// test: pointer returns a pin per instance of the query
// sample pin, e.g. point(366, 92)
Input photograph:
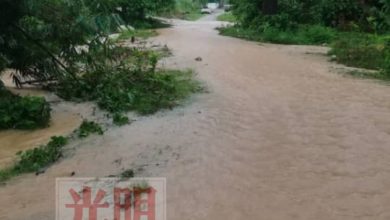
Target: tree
point(270, 7)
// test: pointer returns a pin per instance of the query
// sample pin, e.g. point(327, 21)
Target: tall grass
point(305, 34)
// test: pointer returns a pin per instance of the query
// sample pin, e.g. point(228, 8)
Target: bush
point(120, 119)
point(89, 127)
point(23, 112)
point(360, 50)
point(36, 159)
point(132, 84)
point(304, 34)
point(228, 16)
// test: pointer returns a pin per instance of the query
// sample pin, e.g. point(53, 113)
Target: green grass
point(362, 50)
point(227, 16)
point(353, 49)
point(120, 119)
point(89, 127)
point(121, 89)
point(379, 75)
point(305, 35)
point(185, 9)
point(193, 16)
point(162, 90)
point(35, 159)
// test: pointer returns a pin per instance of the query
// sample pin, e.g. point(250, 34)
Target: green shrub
point(304, 34)
point(186, 9)
point(23, 112)
point(132, 84)
point(228, 16)
point(89, 127)
point(360, 50)
point(36, 159)
point(120, 119)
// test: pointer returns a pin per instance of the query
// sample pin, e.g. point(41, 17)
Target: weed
point(132, 88)
point(361, 50)
point(89, 127)
point(193, 16)
point(120, 119)
point(23, 112)
point(228, 16)
point(308, 34)
point(35, 159)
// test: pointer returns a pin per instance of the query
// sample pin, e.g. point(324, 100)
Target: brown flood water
point(63, 122)
point(13, 141)
point(279, 136)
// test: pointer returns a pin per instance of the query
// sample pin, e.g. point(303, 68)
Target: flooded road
point(278, 136)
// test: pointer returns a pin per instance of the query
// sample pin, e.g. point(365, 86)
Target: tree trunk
point(270, 7)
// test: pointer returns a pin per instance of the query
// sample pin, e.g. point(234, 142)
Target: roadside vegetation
point(65, 46)
point(38, 159)
point(18, 112)
point(35, 160)
point(186, 10)
point(227, 16)
point(357, 31)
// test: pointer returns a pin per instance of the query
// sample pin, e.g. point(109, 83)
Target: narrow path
point(278, 137)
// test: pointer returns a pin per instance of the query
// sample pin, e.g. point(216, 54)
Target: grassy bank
point(353, 49)
point(36, 159)
point(227, 16)
point(361, 50)
point(186, 9)
point(40, 158)
point(304, 35)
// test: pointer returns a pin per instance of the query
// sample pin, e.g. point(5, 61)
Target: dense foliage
point(22, 112)
point(46, 39)
point(89, 127)
point(65, 46)
point(364, 15)
point(357, 30)
point(186, 9)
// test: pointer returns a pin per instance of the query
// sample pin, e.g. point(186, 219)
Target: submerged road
point(278, 136)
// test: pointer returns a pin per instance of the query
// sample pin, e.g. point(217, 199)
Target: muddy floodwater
point(63, 122)
point(13, 141)
point(279, 135)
